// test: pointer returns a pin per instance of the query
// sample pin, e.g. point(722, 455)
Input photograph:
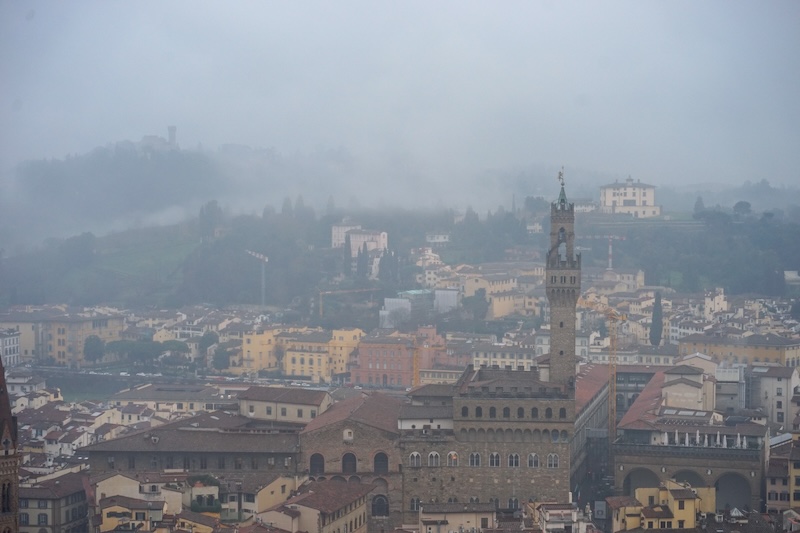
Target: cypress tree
point(657, 327)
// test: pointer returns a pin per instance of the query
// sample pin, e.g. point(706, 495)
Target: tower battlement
point(563, 285)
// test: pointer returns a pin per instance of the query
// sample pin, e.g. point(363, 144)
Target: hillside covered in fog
point(153, 182)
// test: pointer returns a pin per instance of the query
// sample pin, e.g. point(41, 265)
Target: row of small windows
point(513, 503)
point(203, 462)
point(548, 412)
point(41, 519)
point(495, 460)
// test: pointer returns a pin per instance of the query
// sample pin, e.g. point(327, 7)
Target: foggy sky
point(668, 92)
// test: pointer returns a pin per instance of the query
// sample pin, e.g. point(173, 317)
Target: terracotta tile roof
point(590, 381)
point(644, 410)
point(683, 381)
point(330, 496)
point(261, 528)
point(131, 503)
point(55, 488)
point(166, 392)
point(376, 410)
point(684, 370)
point(683, 494)
point(657, 511)
point(291, 395)
point(617, 502)
point(198, 518)
point(216, 430)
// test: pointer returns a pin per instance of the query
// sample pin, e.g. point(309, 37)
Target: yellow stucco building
point(673, 505)
point(744, 350)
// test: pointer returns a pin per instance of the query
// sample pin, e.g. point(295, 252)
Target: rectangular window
point(269, 410)
point(299, 413)
point(139, 515)
point(131, 462)
point(680, 524)
point(681, 504)
point(221, 462)
point(42, 504)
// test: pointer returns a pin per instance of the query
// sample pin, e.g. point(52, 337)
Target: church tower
point(9, 462)
point(563, 283)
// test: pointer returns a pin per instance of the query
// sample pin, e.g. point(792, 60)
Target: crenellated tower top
point(563, 285)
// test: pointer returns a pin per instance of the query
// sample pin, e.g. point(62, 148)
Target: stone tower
point(9, 462)
point(563, 282)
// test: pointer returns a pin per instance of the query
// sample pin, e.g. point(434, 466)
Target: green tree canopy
point(208, 339)
point(221, 359)
point(93, 348)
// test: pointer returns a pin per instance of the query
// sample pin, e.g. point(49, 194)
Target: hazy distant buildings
point(9, 347)
point(373, 240)
point(630, 198)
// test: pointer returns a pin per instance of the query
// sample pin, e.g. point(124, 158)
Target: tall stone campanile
point(9, 462)
point(563, 285)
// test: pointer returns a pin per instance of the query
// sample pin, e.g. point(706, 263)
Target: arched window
point(433, 459)
point(494, 459)
point(380, 464)
point(452, 500)
point(478, 412)
point(294, 360)
point(452, 459)
point(465, 411)
point(415, 459)
point(349, 465)
point(492, 412)
point(562, 413)
point(415, 504)
point(533, 460)
point(534, 412)
point(548, 413)
point(513, 460)
point(474, 499)
point(564, 436)
point(380, 506)
point(552, 460)
point(474, 459)
point(520, 412)
point(513, 503)
point(316, 464)
point(554, 435)
point(506, 412)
